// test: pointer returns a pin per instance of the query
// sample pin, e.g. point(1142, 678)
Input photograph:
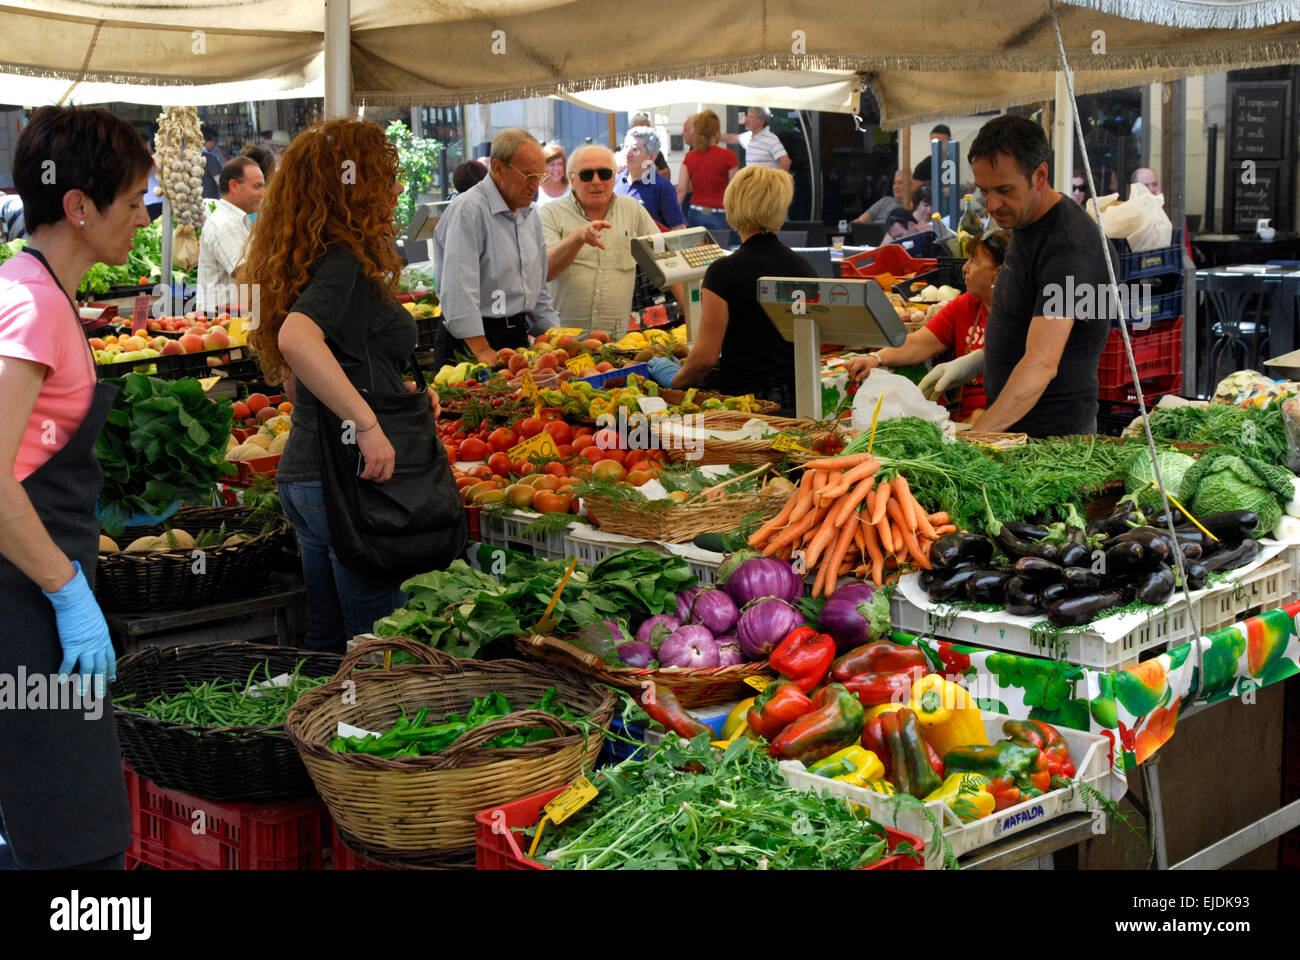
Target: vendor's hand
point(954, 373)
point(377, 453)
point(663, 370)
point(83, 634)
point(859, 367)
point(591, 232)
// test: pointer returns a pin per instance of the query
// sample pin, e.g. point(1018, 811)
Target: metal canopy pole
point(338, 58)
point(1063, 136)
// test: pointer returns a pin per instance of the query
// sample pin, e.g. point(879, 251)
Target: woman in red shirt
point(958, 327)
point(706, 171)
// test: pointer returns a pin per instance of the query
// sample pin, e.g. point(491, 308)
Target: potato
point(143, 545)
point(106, 545)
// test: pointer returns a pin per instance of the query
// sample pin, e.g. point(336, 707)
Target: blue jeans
point(340, 602)
point(709, 221)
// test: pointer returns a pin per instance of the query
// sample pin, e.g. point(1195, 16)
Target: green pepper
point(834, 723)
point(1017, 772)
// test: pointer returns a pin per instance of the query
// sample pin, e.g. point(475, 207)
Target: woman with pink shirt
point(81, 174)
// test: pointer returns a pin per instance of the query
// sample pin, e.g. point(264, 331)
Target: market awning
point(831, 91)
point(923, 59)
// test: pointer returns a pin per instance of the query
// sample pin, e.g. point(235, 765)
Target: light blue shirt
point(490, 263)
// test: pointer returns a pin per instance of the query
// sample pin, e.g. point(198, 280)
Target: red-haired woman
point(81, 174)
point(322, 257)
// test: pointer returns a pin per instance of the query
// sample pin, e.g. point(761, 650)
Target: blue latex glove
point(663, 369)
point(83, 633)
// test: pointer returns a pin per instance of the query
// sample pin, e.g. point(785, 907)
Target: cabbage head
point(1225, 482)
point(1173, 468)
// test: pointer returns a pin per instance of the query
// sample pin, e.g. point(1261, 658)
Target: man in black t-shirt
point(1051, 310)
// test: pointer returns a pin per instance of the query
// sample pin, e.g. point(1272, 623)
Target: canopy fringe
point(1198, 16)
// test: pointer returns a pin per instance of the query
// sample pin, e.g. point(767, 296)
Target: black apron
point(501, 332)
point(62, 794)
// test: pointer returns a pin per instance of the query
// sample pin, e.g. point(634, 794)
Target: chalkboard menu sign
point(1260, 115)
point(1256, 200)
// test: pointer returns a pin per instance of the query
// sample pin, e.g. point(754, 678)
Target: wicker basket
point(235, 764)
point(420, 810)
point(999, 440)
point(749, 452)
point(149, 582)
point(674, 398)
point(692, 687)
point(670, 522)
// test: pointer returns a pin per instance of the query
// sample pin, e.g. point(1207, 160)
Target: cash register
point(680, 256)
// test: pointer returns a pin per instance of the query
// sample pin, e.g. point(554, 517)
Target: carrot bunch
point(843, 518)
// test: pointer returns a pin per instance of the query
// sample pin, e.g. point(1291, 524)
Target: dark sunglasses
point(586, 175)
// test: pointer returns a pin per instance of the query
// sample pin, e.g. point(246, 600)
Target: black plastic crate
point(946, 273)
point(242, 365)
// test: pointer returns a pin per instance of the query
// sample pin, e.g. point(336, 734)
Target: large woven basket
point(670, 522)
point(749, 452)
point(999, 440)
point(232, 764)
point(692, 687)
point(420, 810)
point(148, 582)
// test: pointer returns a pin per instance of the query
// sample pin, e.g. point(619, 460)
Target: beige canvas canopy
point(922, 58)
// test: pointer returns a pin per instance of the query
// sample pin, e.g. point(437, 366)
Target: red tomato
point(581, 443)
point(529, 427)
point(499, 463)
point(503, 438)
point(556, 470)
point(583, 432)
point(656, 454)
point(616, 456)
point(453, 452)
point(593, 453)
point(551, 413)
point(607, 439)
point(482, 471)
point(474, 449)
point(565, 450)
point(523, 468)
point(633, 456)
point(560, 431)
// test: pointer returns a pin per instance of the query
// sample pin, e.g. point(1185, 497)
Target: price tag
point(280, 680)
point(580, 363)
point(140, 313)
point(571, 801)
point(528, 384)
point(758, 683)
point(207, 383)
point(784, 444)
point(566, 331)
point(542, 445)
point(347, 730)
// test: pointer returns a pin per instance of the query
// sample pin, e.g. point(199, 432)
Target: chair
point(815, 229)
point(1229, 300)
point(867, 234)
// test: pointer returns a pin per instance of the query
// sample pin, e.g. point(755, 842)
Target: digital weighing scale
point(424, 220)
point(811, 311)
point(680, 256)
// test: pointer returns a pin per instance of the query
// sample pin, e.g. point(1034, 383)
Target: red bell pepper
point(879, 656)
point(875, 739)
point(777, 706)
point(1054, 751)
point(803, 657)
point(875, 688)
point(661, 703)
point(834, 723)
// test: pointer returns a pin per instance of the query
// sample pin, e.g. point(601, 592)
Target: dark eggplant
point(1197, 575)
point(1027, 531)
point(1037, 571)
point(1239, 556)
point(1020, 600)
point(1074, 555)
point(1076, 611)
point(1081, 580)
point(1010, 544)
point(1122, 557)
point(951, 587)
point(1161, 520)
point(952, 548)
point(1124, 516)
point(1155, 545)
point(1155, 586)
point(990, 587)
point(1045, 551)
point(925, 579)
point(1232, 526)
point(1051, 593)
point(1190, 550)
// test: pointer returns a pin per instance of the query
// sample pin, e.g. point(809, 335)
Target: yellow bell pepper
point(882, 708)
point(974, 803)
point(853, 765)
point(948, 715)
point(735, 718)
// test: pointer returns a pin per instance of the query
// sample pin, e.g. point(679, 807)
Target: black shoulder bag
point(413, 522)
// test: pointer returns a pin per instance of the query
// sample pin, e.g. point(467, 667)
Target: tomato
point(453, 452)
point(564, 450)
point(592, 454)
point(482, 471)
point(560, 431)
point(615, 455)
point(523, 467)
point(551, 413)
point(583, 432)
point(548, 502)
point(544, 481)
point(581, 443)
point(530, 427)
point(499, 462)
point(656, 454)
point(638, 477)
point(608, 470)
point(463, 482)
point(503, 438)
point(474, 449)
point(556, 470)
point(607, 439)
point(633, 457)
point(468, 494)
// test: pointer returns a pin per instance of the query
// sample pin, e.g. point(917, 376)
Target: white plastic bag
point(1141, 220)
point(903, 398)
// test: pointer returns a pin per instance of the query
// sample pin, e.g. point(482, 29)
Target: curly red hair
point(333, 186)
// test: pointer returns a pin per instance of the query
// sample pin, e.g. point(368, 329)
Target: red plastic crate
point(1158, 352)
point(887, 259)
point(267, 465)
point(168, 833)
point(497, 849)
point(474, 515)
point(1152, 390)
point(345, 859)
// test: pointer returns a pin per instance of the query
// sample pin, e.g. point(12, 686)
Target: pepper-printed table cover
point(1135, 709)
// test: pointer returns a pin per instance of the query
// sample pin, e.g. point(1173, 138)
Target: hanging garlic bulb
point(180, 163)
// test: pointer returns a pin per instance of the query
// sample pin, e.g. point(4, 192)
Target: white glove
point(954, 373)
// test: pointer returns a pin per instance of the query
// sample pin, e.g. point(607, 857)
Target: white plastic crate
point(509, 530)
point(590, 547)
point(1089, 752)
point(1267, 587)
point(1292, 557)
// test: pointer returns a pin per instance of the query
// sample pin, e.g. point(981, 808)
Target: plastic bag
point(1140, 220)
point(903, 398)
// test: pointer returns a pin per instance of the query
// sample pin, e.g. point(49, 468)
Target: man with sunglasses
point(490, 257)
point(589, 245)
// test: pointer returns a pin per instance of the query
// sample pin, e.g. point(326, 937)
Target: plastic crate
point(893, 258)
point(1158, 352)
point(266, 466)
point(616, 751)
point(509, 530)
point(599, 380)
point(945, 274)
point(1149, 263)
point(497, 848)
point(580, 542)
point(345, 859)
point(1084, 647)
point(1152, 389)
point(1292, 557)
point(921, 244)
point(1162, 306)
point(1090, 753)
point(171, 830)
point(1268, 587)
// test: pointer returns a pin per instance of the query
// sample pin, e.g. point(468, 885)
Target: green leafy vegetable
point(1251, 431)
point(1220, 482)
point(163, 441)
point(1173, 468)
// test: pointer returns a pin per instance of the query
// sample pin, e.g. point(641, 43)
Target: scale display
point(676, 257)
point(426, 217)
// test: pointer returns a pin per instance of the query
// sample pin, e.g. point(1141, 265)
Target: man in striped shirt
point(762, 147)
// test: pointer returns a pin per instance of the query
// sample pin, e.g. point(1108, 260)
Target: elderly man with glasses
point(645, 183)
point(490, 257)
point(589, 245)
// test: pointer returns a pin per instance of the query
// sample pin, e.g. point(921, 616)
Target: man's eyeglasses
point(532, 178)
point(586, 175)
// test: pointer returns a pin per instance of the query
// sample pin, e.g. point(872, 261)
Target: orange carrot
point(939, 519)
point(803, 499)
point(837, 463)
point(836, 558)
point(883, 529)
point(790, 535)
point(764, 532)
point(904, 498)
point(823, 538)
point(909, 537)
point(849, 478)
point(946, 528)
point(845, 506)
point(882, 501)
point(918, 514)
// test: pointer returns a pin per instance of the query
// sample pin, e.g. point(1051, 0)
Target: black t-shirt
point(754, 354)
point(1054, 268)
point(368, 332)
